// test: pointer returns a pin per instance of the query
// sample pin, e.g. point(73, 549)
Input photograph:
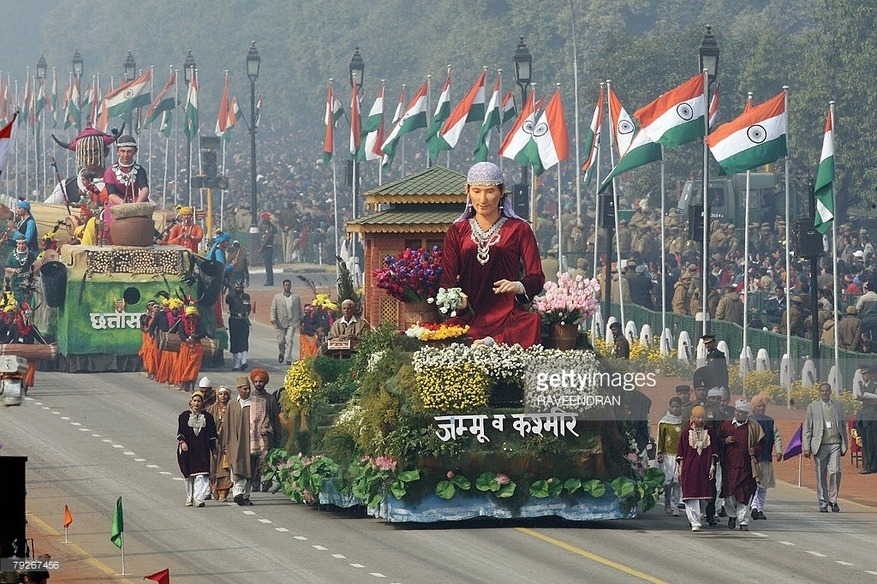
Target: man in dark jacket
point(641, 287)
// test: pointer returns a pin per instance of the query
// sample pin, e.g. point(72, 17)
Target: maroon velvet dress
point(695, 481)
point(514, 257)
point(737, 478)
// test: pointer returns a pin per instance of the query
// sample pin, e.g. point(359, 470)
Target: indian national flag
point(435, 143)
point(72, 115)
point(551, 136)
point(165, 100)
point(678, 116)
point(514, 146)
point(714, 106)
point(355, 123)
point(592, 140)
point(824, 186)
point(129, 96)
point(642, 150)
point(373, 130)
point(329, 121)
point(492, 119)
point(509, 111)
point(222, 118)
point(471, 109)
point(414, 118)
point(754, 138)
point(7, 139)
point(623, 127)
point(192, 107)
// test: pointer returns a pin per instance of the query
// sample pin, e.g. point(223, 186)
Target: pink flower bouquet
point(569, 300)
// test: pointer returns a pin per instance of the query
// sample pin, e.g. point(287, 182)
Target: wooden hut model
point(412, 212)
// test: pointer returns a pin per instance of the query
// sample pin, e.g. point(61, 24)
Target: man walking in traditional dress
point(741, 440)
point(245, 438)
point(260, 379)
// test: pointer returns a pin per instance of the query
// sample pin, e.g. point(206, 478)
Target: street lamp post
point(708, 60)
point(253, 63)
point(189, 67)
point(523, 76)
point(130, 72)
point(357, 74)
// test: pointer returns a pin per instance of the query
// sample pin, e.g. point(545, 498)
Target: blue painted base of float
point(433, 509)
point(329, 495)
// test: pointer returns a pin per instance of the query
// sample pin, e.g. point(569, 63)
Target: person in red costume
point(491, 254)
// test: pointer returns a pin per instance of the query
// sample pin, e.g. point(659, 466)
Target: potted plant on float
point(412, 277)
point(564, 305)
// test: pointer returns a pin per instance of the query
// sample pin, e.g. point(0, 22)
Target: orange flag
point(163, 577)
point(68, 517)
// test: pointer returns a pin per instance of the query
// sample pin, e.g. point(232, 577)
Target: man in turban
point(260, 379)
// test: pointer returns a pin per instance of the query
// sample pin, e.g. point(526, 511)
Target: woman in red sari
point(491, 254)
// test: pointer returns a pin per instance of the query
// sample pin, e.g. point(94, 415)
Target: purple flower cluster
point(411, 276)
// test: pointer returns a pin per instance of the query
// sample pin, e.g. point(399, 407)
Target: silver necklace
point(484, 240)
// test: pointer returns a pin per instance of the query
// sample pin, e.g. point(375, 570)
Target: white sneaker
point(199, 503)
point(188, 502)
point(695, 528)
point(675, 512)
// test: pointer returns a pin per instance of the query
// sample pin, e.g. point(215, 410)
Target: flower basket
point(420, 312)
point(563, 336)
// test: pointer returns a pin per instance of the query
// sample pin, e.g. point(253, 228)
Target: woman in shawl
point(220, 476)
point(491, 254)
point(196, 444)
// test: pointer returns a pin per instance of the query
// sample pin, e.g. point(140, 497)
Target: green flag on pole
point(118, 525)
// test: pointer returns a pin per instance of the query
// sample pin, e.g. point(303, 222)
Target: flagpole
point(788, 280)
point(122, 549)
point(608, 280)
point(598, 137)
point(575, 76)
point(15, 145)
point(151, 93)
point(837, 377)
point(175, 130)
point(663, 250)
point(705, 284)
point(744, 356)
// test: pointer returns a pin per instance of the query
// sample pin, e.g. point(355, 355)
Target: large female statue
point(491, 254)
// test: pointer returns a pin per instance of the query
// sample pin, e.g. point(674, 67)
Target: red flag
point(328, 118)
point(355, 123)
point(163, 577)
point(68, 517)
point(222, 120)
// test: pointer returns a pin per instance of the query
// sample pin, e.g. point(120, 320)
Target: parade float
point(89, 297)
point(423, 425)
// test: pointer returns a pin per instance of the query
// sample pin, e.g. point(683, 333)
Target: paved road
point(92, 438)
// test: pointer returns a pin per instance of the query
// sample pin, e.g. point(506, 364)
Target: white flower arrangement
point(374, 359)
point(499, 362)
point(448, 300)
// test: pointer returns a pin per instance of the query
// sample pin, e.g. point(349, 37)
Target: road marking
point(301, 538)
point(117, 445)
point(249, 512)
point(139, 460)
point(179, 479)
point(786, 543)
point(128, 453)
point(46, 408)
point(95, 435)
point(843, 563)
point(56, 413)
point(339, 556)
point(164, 472)
point(106, 440)
point(152, 466)
point(84, 429)
point(759, 534)
point(872, 572)
point(357, 565)
point(281, 529)
point(73, 423)
point(265, 521)
point(321, 548)
point(67, 418)
point(817, 554)
point(377, 574)
point(591, 556)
